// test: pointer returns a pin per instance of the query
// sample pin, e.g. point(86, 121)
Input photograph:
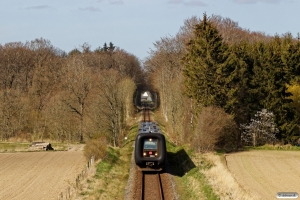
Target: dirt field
point(265, 173)
point(38, 175)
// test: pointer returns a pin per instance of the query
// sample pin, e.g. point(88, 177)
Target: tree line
point(46, 93)
point(213, 63)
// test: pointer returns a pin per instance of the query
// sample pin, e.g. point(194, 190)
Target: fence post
point(80, 177)
point(68, 193)
point(77, 182)
point(61, 196)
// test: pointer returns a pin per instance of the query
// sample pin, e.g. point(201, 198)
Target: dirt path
point(265, 173)
point(38, 175)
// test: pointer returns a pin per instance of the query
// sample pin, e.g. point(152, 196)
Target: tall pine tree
point(211, 69)
point(272, 71)
point(204, 65)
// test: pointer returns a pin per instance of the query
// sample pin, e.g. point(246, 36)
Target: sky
point(133, 25)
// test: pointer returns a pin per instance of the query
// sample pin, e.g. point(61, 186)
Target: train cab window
point(150, 144)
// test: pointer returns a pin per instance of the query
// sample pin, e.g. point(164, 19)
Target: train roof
point(149, 127)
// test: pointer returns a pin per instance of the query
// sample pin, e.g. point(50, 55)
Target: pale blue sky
point(133, 25)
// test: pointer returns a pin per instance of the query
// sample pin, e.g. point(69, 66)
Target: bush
point(215, 130)
point(95, 147)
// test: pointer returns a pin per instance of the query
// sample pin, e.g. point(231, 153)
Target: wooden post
point(68, 193)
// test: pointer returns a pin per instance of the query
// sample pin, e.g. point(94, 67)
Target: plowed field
point(265, 173)
point(38, 175)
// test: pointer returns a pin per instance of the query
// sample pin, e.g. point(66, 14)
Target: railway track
point(146, 115)
point(151, 186)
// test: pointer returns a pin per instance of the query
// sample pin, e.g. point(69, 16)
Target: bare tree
point(165, 72)
point(112, 104)
point(45, 84)
point(78, 86)
point(109, 104)
point(16, 66)
point(57, 95)
point(12, 113)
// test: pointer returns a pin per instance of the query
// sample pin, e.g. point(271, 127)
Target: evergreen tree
point(259, 78)
point(105, 48)
point(203, 61)
point(279, 75)
point(291, 56)
point(111, 47)
point(272, 71)
point(237, 80)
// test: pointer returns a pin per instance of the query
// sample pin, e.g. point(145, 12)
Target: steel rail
point(159, 187)
point(146, 115)
point(143, 187)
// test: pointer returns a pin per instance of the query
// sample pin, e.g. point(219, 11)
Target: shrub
point(215, 130)
point(95, 147)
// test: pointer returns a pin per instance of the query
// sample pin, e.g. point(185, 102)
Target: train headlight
point(150, 139)
point(144, 154)
point(156, 154)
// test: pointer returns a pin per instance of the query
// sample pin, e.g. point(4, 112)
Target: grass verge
point(112, 172)
point(287, 147)
point(222, 181)
point(110, 178)
point(187, 168)
point(13, 147)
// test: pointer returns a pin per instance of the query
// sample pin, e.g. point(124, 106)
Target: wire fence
point(71, 191)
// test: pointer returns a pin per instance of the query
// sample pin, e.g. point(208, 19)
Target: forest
point(49, 94)
point(215, 82)
point(220, 84)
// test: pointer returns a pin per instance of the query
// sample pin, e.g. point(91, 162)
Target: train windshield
point(150, 144)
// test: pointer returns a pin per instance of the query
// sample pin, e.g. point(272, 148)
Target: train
point(150, 147)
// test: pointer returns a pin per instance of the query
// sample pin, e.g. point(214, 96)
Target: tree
point(86, 48)
point(12, 113)
point(108, 105)
point(78, 86)
point(164, 73)
point(16, 66)
point(111, 47)
point(272, 70)
point(50, 95)
point(105, 48)
point(294, 89)
point(74, 52)
point(203, 61)
point(261, 130)
point(44, 82)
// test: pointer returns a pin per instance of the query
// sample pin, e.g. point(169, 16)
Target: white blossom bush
point(261, 130)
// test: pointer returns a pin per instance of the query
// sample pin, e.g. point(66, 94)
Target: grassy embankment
point(187, 169)
point(112, 172)
point(197, 176)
